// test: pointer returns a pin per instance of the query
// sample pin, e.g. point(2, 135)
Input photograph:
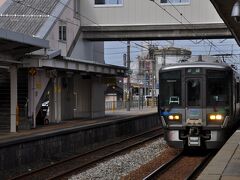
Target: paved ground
point(226, 164)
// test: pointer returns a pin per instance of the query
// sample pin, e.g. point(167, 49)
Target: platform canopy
point(14, 44)
point(224, 9)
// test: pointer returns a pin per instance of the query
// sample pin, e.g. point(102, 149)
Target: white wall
point(72, 29)
point(86, 50)
point(145, 12)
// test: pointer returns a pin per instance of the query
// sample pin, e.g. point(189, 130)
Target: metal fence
point(118, 105)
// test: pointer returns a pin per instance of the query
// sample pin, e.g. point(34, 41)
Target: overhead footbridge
point(151, 20)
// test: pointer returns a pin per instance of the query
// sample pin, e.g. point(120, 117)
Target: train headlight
point(219, 117)
point(215, 117)
point(174, 117)
point(212, 117)
point(171, 117)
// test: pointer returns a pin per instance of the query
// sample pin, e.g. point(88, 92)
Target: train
point(199, 103)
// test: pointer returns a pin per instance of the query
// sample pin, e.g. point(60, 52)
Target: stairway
point(22, 92)
point(4, 100)
point(5, 97)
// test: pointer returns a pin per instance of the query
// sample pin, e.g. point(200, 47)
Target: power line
point(123, 52)
point(70, 22)
point(181, 22)
point(212, 44)
point(29, 6)
point(80, 14)
point(181, 14)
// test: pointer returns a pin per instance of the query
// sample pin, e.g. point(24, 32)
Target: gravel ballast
point(121, 165)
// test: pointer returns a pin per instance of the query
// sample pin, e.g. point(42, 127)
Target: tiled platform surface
point(226, 164)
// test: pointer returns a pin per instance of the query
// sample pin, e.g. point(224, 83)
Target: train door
point(194, 101)
point(194, 109)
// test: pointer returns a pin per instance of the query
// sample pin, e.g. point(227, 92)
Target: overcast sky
point(114, 50)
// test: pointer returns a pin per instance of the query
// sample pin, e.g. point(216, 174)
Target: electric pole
point(151, 55)
point(128, 78)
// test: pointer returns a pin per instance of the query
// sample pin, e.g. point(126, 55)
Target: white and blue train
point(199, 103)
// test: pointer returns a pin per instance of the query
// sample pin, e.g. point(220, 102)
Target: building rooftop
point(26, 16)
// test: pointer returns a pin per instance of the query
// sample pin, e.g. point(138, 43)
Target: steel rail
point(200, 167)
point(163, 168)
point(28, 175)
point(191, 175)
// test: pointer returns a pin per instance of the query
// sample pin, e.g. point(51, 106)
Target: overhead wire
point(29, 6)
point(181, 14)
point(211, 43)
point(65, 5)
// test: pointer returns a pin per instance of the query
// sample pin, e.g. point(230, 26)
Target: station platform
point(70, 124)
point(27, 148)
point(226, 164)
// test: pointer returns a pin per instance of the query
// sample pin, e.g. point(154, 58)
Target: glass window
point(62, 31)
point(217, 88)
point(193, 92)
point(175, 1)
point(170, 88)
point(108, 2)
point(193, 71)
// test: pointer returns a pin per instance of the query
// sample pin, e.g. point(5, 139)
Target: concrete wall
point(16, 153)
point(98, 98)
point(82, 97)
point(88, 50)
point(145, 12)
point(68, 101)
point(82, 90)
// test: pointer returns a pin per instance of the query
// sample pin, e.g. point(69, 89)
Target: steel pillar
point(13, 91)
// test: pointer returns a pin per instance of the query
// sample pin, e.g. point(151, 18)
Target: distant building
point(167, 56)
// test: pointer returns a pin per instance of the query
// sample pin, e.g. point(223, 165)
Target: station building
point(44, 58)
point(53, 50)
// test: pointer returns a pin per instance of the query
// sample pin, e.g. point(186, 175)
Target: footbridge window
point(108, 2)
point(175, 2)
point(62, 31)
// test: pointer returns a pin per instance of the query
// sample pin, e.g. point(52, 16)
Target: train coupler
point(194, 141)
point(194, 138)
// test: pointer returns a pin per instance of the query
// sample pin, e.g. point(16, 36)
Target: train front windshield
point(216, 89)
point(170, 89)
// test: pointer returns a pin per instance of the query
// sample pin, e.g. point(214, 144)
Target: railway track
point(182, 166)
point(64, 168)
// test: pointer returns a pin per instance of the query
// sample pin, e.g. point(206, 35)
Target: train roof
point(198, 64)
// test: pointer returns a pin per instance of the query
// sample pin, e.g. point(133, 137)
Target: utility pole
point(124, 60)
point(151, 55)
point(128, 79)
